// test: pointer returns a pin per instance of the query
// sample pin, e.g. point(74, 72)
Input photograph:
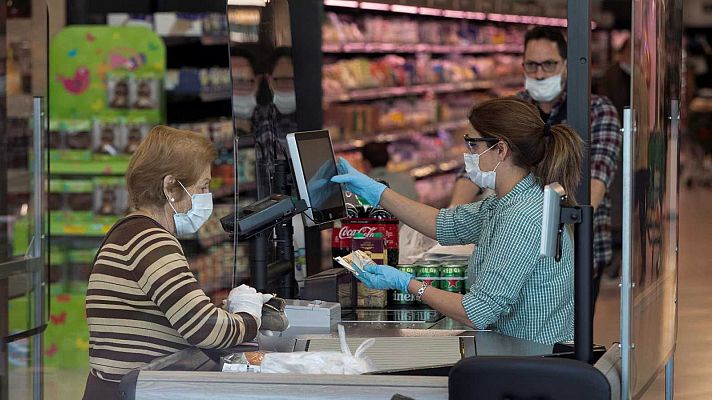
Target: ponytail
point(562, 159)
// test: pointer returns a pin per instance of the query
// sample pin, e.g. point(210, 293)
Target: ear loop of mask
point(170, 203)
point(490, 148)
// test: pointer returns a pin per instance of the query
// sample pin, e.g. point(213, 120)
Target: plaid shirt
point(606, 140)
point(513, 290)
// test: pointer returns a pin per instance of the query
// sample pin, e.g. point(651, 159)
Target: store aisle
point(694, 338)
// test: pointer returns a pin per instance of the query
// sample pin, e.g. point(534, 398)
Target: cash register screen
point(317, 165)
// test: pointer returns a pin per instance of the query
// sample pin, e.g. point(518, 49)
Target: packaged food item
point(343, 233)
point(254, 357)
point(249, 361)
point(374, 246)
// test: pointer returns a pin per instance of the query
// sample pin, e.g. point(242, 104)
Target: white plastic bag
point(412, 245)
point(321, 362)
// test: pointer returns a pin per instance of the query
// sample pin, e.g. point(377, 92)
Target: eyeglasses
point(546, 66)
point(471, 142)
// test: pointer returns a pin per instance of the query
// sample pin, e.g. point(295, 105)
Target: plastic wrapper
point(322, 362)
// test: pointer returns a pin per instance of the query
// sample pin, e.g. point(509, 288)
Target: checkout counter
point(412, 359)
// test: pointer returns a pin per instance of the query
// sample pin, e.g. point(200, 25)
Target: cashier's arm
point(418, 216)
point(445, 302)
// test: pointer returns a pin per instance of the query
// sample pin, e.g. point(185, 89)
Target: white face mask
point(625, 67)
point(286, 102)
point(244, 105)
point(544, 90)
point(485, 180)
point(189, 222)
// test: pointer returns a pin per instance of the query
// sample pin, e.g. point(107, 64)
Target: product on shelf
point(341, 28)
point(110, 196)
point(144, 92)
point(343, 76)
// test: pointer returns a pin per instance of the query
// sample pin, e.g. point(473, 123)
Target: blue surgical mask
point(483, 179)
point(189, 222)
point(286, 102)
point(244, 105)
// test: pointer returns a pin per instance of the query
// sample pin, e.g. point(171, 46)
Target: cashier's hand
point(248, 300)
point(318, 185)
point(359, 183)
point(384, 277)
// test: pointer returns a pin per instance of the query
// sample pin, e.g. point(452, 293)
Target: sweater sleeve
point(162, 272)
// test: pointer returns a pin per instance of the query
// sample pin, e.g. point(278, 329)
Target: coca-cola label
point(341, 235)
point(349, 231)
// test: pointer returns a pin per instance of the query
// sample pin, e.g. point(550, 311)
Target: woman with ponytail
point(512, 290)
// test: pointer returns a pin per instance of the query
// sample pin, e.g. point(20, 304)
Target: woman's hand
point(248, 300)
point(384, 277)
point(358, 183)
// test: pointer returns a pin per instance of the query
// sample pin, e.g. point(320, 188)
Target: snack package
point(144, 93)
point(135, 133)
point(107, 137)
point(118, 91)
point(243, 362)
point(110, 196)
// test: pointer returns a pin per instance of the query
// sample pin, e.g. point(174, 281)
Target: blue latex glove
point(320, 187)
point(384, 277)
point(359, 183)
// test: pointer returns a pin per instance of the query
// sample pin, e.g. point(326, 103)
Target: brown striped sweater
point(143, 302)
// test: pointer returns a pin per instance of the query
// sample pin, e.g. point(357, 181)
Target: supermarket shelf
point(387, 92)
point(420, 48)
point(93, 167)
point(434, 169)
point(356, 144)
point(204, 96)
point(456, 14)
point(195, 40)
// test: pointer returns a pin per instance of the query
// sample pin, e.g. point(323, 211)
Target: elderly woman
point(143, 301)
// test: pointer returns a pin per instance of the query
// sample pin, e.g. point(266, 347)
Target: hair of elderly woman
point(166, 151)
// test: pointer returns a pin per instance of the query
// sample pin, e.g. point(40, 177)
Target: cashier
point(514, 291)
point(143, 301)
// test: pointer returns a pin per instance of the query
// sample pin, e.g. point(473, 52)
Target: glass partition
point(22, 198)
point(264, 112)
point(652, 322)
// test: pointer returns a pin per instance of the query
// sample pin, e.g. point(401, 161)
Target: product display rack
point(359, 30)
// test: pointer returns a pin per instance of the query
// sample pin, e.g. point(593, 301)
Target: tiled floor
point(693, 360)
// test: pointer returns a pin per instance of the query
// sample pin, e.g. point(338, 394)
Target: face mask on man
point(286, 102)
point(625, 67)
point(189, 222)
point(244, 105)
point(483, 179)
point(544, 90)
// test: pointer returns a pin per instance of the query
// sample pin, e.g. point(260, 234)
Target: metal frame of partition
point(651, 131)
point(579, 104)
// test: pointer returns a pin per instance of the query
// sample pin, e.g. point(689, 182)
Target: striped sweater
point(143, 302)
